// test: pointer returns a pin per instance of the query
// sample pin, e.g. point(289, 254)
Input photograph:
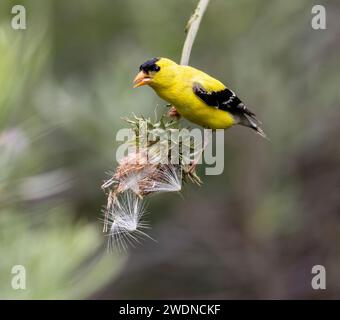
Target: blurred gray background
point(255, 231)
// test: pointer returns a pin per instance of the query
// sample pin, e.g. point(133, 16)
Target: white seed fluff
point(169, 179)
point(126, 221)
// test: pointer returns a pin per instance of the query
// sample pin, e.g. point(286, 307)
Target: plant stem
point(191, 29)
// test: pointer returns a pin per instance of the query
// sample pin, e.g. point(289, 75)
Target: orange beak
point(141, 79)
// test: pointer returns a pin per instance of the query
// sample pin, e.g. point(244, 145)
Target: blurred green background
point(255, 231)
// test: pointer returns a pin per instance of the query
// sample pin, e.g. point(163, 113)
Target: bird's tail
point(253, 123)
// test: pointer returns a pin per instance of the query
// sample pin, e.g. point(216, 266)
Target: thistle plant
point(144, 171)
point(148, 168)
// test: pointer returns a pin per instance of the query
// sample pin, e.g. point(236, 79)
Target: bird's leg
point(173, 112)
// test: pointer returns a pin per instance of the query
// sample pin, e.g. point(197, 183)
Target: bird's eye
point(157, 68)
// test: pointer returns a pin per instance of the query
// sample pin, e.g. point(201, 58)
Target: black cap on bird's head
point(145, 71)
point(155, 72)
point(150, 65)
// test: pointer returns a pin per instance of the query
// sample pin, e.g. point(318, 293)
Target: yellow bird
point(196, 96)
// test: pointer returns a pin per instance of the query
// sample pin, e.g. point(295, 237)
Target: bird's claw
point(173, 113)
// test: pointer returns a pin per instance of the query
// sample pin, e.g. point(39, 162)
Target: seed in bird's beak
point(141, 79)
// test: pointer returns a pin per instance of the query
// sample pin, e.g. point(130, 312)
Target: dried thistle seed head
point(136, 173)
point(134, 180)
point(146, 171)
point(130, 173)
point(152, 179)
point(134, 161)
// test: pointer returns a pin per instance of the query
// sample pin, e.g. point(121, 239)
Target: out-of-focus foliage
point(58, 254)
point(253, 232)
point(64, 256)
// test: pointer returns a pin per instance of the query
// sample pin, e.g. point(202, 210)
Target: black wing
point(225, 100)
point(228, 101)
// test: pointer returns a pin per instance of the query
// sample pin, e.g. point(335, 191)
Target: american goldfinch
point(197, 96)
